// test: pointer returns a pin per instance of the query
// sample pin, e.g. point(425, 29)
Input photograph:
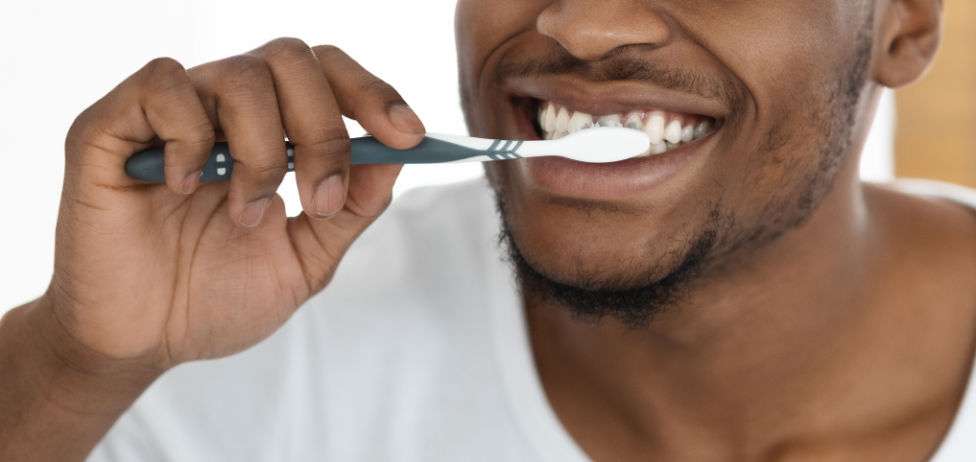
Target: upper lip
point(604, 98)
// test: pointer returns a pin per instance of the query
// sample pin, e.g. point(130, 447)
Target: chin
point(602, 277)
point(594, 247)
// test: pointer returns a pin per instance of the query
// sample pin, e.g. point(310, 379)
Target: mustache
point(620, 65)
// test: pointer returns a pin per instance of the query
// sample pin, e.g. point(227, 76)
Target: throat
point(740, 371)
point(624, 394)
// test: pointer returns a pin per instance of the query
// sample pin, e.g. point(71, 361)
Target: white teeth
point(547, 118)
point(655, 127)
point(612, 120)
point(558, 121)
point(672, 133)
point(687, 133)
point(580, 121)
point(634, 121)
point(562, 122)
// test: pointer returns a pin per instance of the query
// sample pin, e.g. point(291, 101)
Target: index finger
point(369, 100)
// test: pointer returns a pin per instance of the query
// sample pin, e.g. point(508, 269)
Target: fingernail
point(330, 195)
point(254, 212)
point(191, 182)
point(405, 120)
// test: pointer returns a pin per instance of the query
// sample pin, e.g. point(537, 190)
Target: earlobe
point(908, 38)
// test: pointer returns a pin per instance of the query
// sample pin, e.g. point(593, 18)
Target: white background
point(60, 56)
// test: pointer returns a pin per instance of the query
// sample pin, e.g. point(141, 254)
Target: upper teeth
point(666, 130)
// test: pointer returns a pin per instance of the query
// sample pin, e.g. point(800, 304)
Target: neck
point(747, 355)
point(818, 337)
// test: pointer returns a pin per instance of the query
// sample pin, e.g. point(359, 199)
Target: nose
point(589, 29)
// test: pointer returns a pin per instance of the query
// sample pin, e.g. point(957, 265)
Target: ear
point(909, 35)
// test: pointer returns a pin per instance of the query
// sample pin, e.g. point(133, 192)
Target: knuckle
point(87, 129)
point(379, 89)
point(378, 93)
point(268, 169)
point(163, 65)
point(244, 71)
point(288, 48)
point(332, 142)
point(162, 75)
point(85, 139)
point(328, 51)
point(80, 132)
point(202, 134)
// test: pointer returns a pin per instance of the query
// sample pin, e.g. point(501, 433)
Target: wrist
point(57, 401)
point(65, 371)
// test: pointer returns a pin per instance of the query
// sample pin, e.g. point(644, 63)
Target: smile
point(684, 130)
point(666, 130)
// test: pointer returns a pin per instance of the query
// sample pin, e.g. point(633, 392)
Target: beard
point(659, 285)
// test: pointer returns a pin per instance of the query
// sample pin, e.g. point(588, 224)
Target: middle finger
point(313, 122)
point(239, 92)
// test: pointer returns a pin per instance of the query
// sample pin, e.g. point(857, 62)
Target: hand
point(159, 275)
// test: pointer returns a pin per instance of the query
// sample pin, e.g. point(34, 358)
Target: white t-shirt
point(417, 351)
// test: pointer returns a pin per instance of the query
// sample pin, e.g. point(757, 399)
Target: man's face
point(758, 100)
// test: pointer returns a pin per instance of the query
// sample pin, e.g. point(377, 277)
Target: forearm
point(57, 400)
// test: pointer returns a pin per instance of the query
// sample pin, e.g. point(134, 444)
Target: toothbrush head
point(604, 144)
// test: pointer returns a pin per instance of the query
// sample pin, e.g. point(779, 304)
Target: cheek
point(483, 30)
point(774, 43)
point(780, 52)
point(778, 49)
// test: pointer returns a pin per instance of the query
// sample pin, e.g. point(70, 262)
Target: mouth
point(666, 130)
point(682, 129)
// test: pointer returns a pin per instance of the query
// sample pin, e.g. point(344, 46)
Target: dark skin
point(745, 366)
point(742, 366)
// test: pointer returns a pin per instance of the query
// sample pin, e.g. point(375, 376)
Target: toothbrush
point(595, 145)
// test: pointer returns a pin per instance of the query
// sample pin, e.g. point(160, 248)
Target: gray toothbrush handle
point(147, 165)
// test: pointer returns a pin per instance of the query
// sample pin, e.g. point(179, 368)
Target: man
point(737, 295)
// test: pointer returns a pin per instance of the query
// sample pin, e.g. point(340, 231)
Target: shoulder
point(935, 206)
point(931, 189)
point(932, 228)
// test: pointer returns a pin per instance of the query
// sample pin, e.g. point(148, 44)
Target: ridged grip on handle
point(148, 165)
